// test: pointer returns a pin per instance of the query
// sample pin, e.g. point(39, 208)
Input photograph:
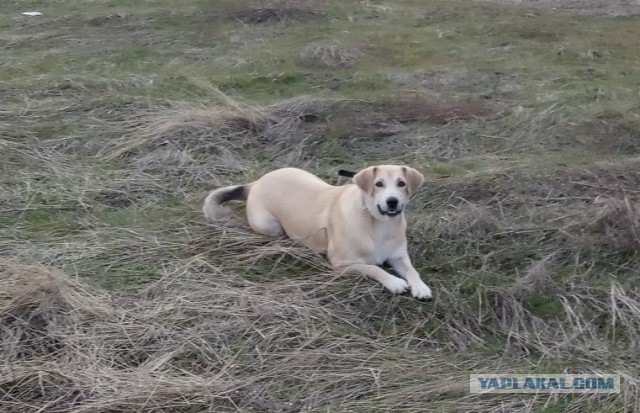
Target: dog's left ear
point(364, 178)
point(414, 179)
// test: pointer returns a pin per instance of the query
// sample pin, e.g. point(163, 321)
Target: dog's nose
point(392, 202)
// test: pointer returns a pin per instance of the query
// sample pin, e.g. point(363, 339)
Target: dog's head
point(388, 188)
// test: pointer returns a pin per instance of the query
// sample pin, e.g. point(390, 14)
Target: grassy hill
point(117, 118)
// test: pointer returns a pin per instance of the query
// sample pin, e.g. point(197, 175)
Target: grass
point(117, 119)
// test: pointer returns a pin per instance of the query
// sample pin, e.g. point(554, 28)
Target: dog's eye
point(379, 184)
point(401, 184)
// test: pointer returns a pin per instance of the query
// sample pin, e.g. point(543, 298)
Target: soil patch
point(274, 15)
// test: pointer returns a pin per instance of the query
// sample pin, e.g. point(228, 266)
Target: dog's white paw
point(396, 285)
point(421, 291)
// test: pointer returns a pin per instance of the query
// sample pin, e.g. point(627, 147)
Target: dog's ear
point(414, 179)
point(364, 179)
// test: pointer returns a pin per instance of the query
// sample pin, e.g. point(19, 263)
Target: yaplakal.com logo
point(544, 383)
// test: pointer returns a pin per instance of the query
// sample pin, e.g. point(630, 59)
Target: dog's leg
point(394, 284)
point(405, 269)
point(262, 222)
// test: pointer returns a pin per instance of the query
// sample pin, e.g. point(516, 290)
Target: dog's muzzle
point(389, 213)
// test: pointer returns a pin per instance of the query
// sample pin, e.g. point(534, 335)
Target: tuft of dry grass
point(468, 219)
point(221, 130)
point(536, 279)
point(333, 56)
point(188, 125)
point(618, 220)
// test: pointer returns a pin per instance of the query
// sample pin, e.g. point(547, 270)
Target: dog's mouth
point(393, 213)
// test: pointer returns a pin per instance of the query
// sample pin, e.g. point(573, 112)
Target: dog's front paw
point(396, 285)
point(421, 291)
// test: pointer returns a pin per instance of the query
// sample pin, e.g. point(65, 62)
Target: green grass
point(544, 306)
point(52, 223)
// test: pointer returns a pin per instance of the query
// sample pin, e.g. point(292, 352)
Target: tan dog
point(358, 226)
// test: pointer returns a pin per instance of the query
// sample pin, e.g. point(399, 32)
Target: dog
point(358, 226)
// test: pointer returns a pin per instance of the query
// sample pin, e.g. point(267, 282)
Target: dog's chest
point(386, 243)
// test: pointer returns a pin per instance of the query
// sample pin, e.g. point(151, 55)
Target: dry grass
point(220, 130)
point(605, 7)
point(274, 15)
point(618, 220)
point(538, 278)
point(232, 321)
point(331, 56)
point(202, 337)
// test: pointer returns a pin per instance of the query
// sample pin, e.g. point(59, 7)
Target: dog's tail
point(213, 207)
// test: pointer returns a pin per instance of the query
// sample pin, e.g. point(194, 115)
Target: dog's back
point(298, 200)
